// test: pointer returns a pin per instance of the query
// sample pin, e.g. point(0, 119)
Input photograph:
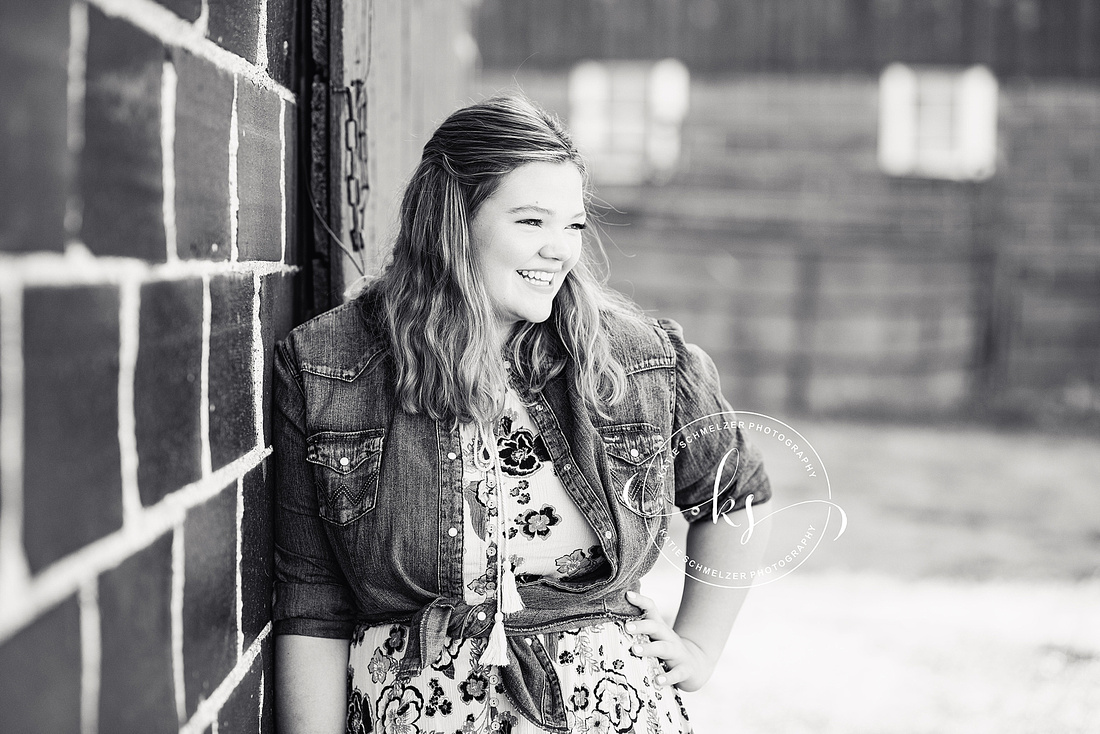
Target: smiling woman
point(526, 239)
point(459, 540)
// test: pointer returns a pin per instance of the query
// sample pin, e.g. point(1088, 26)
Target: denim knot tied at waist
point(529, 679)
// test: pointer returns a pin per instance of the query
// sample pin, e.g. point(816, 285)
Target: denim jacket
point(369, 510)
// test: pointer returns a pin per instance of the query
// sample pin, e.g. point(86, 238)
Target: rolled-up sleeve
point(312, 596)
point(707, 440)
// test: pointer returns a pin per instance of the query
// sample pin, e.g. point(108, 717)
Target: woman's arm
point(311, 684)
point(691, 648)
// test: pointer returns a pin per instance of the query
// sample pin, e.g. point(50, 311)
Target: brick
point(136, 689)
point(277, 308)
point(34, 161)
point(121, 168)
point(282, 47)
point(204, 105)
point(186, 9)
point(72, 485)
point(293, 166)
point(257, 552)
point(232, 405)
point(259, 165)
point(209, 595)
point(166, 387)
point(241, 712)
point(234, 25)
point(40, 674)
point(267, 711)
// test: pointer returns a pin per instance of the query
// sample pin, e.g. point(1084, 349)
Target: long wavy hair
point(434, 304)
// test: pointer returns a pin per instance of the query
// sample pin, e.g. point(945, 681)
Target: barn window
point(938, 123)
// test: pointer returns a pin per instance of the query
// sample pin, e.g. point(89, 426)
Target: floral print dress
point(606, 687)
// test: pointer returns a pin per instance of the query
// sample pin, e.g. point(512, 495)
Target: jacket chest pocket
point(639, 470)
point(345, 470)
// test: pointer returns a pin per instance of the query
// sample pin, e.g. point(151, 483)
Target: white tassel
point(496, 651)
point(510, 600)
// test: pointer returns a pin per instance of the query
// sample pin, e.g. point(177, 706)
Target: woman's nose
point(559, 246)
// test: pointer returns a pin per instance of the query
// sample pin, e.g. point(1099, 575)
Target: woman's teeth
point(537, 276)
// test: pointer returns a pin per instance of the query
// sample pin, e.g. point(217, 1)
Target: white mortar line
point(207, 711)
point(234, 198)
point(77, 83)
point(282, 179)
point(168, 83)
point(176, 610)
point(202, 23)
point(204, 381)
point(91, 657)
point(61, 579)
point(171, 30)
point(77, 267)
point(257, 360)
point(261, 37)
point(214, 727)
point(239, 580)
point(260, 716)
point(129, 310)
point(14, 571)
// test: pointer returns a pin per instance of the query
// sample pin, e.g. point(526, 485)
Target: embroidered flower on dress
point(537, 523)
point(578, 562)
point(474, 688)
point(594, 723)
point(358, 721)
point(521, 453)
point(579, 699)
point(402, 709)
point(520, 492)
point(396, 639)
point(380, 665)
point(618, 700)
point(438, 701)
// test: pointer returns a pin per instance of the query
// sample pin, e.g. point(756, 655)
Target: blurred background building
point(824, 277)
point(862, 209)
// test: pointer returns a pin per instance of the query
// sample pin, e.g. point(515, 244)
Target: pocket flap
point(343, 452)
point(634, 443)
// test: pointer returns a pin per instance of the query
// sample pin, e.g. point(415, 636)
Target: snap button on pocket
point(345, 471)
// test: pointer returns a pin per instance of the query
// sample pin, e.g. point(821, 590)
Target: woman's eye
point(579, 225)
point(531, 222)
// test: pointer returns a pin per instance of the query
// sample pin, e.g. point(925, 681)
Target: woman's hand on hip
point(687, 666)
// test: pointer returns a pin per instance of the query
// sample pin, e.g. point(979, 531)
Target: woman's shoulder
point(340, 342)
point(639, 341)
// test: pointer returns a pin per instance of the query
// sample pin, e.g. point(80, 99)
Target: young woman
point(476, 460)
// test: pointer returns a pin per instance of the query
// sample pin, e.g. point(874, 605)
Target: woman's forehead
point(556, 188)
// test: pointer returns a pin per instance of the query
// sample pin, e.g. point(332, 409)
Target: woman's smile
point(526, 238)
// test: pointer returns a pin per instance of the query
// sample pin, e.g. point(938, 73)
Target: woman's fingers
point(648, 605)
point(677, 674)
point(681, 659)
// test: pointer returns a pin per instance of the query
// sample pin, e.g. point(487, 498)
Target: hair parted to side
point(436, 308)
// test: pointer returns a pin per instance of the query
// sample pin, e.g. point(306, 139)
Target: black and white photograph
point(550, 366)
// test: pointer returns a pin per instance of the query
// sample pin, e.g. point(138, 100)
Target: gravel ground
point(964, 596)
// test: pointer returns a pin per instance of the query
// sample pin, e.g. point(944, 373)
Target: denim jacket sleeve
point(312, 596)
point(705, 428)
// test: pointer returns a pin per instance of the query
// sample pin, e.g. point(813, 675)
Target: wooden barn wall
point(821, 285)
point(406, 66)
point(1013, 37)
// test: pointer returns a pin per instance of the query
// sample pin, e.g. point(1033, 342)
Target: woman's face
point(526, 237)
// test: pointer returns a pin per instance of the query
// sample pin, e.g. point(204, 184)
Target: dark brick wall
point(147, 264)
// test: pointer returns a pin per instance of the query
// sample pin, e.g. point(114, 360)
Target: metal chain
point(356, 183)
